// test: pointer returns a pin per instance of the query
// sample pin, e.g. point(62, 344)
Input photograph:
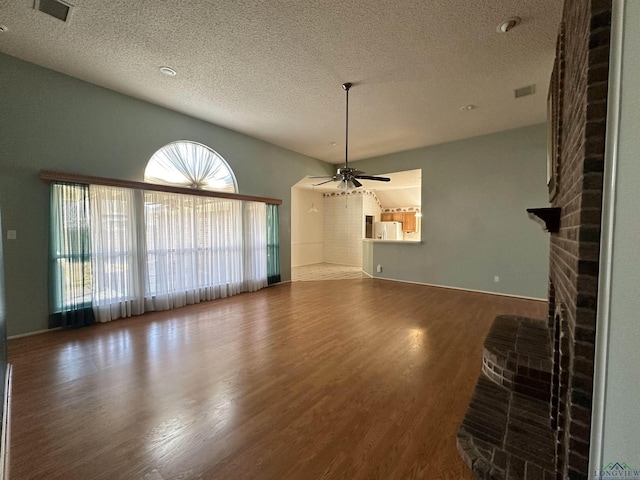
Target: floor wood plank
point(348, 379)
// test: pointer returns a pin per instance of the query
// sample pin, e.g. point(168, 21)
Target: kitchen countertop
point(377, 240)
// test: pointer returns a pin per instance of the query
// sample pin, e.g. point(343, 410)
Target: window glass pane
point(71, 247)
point(190, 164)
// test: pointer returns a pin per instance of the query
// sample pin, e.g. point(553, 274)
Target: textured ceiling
point(273, 69)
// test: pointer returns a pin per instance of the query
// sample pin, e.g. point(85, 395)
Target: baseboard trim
point(6, 425)
point(536, 299)
point(37, 332)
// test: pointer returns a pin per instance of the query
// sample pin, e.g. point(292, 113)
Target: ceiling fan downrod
point(346, 176)
point(346, 87)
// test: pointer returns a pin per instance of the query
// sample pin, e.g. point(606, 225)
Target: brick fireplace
point(578, 92)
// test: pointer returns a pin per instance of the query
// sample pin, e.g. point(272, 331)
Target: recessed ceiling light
point(466, 108)
point(168, 71)
point(508, 24)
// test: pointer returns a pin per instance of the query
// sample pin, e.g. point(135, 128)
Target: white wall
point(343, 229)
point(335, 233)
point(307, 228)
point(616, 421)
point(370, 206)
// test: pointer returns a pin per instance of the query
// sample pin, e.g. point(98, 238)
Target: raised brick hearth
point(517, 355)
point(506, 432)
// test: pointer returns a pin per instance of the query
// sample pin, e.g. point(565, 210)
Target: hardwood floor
point(349, 379)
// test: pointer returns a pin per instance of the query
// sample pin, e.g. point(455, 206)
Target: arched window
point(123, 248)
point(190, 164)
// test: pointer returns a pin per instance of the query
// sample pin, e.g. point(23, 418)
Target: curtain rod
point(51, 176)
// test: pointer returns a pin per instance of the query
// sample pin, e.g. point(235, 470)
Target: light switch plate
point(12, 235)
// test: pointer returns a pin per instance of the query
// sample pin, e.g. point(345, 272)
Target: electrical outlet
point(379, 268)
point(11, 235)
point(496, 279)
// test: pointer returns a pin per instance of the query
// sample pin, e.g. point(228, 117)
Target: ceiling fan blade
point(322, 183)
point(369, 177)
point(323, 176)
point(356, 182)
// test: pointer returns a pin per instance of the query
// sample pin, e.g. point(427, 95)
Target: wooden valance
point(51, 176)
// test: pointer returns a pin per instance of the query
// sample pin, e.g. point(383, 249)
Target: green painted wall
point(55, 122)
point(475, 193)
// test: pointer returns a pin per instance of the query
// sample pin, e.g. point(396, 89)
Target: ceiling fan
point(348, 177)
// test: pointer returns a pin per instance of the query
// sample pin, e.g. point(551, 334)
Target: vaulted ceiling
point(273, 69)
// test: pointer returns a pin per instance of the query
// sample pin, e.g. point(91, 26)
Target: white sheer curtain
point(255, 246)
point(157, 251)
point(117, 254)
point(220, 238)
point(194, 249)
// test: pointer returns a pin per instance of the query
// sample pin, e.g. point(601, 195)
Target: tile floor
point(325, 271)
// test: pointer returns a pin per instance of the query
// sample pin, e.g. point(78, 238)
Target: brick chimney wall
point(580, 96)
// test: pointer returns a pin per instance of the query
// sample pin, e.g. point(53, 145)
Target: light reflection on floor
point(325, 271)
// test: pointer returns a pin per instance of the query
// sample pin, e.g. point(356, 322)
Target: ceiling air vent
point(524, 91)
point(55, 8)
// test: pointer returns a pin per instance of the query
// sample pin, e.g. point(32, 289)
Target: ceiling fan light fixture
point(348, 184)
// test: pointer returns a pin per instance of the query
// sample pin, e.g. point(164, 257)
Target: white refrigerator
point(388, 231)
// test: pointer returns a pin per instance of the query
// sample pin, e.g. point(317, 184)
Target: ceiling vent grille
point(55, 8)
point(524, 91)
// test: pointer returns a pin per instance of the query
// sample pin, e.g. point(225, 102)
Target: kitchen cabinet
point(408, 220)
point(397, 217)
